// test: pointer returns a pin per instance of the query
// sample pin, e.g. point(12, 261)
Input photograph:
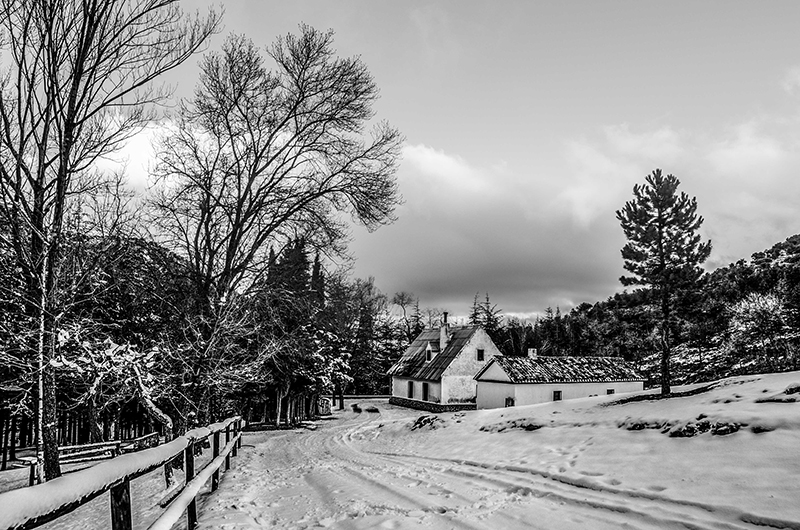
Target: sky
point(527, 123)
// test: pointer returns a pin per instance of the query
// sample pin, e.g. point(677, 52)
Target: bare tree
point(411, 323)
point(261, 156)
point(78, 86)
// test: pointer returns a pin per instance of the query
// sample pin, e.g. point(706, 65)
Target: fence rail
point(33, 506)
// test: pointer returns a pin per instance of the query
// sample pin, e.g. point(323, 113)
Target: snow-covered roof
point(544, 369)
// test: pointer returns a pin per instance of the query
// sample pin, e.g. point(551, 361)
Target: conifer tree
point(317, 282)
point(664, 251)
point(475, 313)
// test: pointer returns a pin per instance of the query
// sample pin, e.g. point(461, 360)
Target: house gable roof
point(545, 369)
point(413, 365)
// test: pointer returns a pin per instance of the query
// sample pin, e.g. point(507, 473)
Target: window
point(556, 395)
point(411, 389)
point(424, 391)
point(610, 391)
point(509, 402)
point(480, 354)
point(427, 355)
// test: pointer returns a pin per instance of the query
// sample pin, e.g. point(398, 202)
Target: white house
point(510, 381)
point(437, 371)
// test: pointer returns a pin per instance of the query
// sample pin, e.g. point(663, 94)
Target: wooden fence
point(33, 506)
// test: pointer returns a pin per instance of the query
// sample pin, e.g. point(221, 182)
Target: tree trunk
point(12, 452)
point(278, 399)
point(665, 344)
point(51, 466)
point(5, 426)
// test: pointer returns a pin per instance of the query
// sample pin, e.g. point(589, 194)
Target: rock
point(724, 428)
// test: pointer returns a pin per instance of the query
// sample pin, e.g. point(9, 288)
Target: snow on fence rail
point(33, 506)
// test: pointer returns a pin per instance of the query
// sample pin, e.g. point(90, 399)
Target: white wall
point(493, 395)
point(458, 383)
point(400, 389)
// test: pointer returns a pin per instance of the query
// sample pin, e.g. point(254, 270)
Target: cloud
point(744, 177)
point(601, 172)
point(791, 80)
point(134, 158)
point(746, 151)
point(466, 228)
point(662, 145)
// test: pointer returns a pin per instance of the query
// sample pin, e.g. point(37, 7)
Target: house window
point(610, 391)
point(411, 389)
point(480, 354)
point(509, 402)
point(556, 395)
point(427, 355)
point(424, 391)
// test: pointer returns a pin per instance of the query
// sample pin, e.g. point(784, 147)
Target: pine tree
point(271, 264)
point(491, 319)
point(475, 313)
point(664, 251)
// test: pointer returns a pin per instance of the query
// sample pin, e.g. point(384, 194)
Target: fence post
point(241, 426)
point(227, 440)
point(214, 455)
point(188, 468)
point(121, 505)
point(234, 450)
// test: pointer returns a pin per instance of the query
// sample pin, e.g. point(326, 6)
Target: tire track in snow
point(583, 492)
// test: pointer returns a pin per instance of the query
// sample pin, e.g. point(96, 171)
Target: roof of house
point(544, 369)
point(413, 365)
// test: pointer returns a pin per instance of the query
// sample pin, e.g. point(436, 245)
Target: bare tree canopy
point(77, 84)
point(260, 156)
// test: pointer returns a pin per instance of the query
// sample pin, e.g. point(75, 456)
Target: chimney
point(533, 353)
point(444, 332)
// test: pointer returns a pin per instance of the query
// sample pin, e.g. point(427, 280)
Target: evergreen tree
point(271, 271)
point(475, 313)
point(491, 319)
point(317, 283)
point(664, 251)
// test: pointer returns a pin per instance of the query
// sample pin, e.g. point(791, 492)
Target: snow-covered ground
point(588, 463)
point(724, 458)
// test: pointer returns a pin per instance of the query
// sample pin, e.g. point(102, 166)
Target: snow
point(602, 463)
point(570, 464)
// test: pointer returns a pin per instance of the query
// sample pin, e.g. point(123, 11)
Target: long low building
point(513, 381)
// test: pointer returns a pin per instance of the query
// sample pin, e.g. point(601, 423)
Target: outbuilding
point(512, 381)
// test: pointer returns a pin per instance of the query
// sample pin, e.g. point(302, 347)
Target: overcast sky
point(527, 124)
